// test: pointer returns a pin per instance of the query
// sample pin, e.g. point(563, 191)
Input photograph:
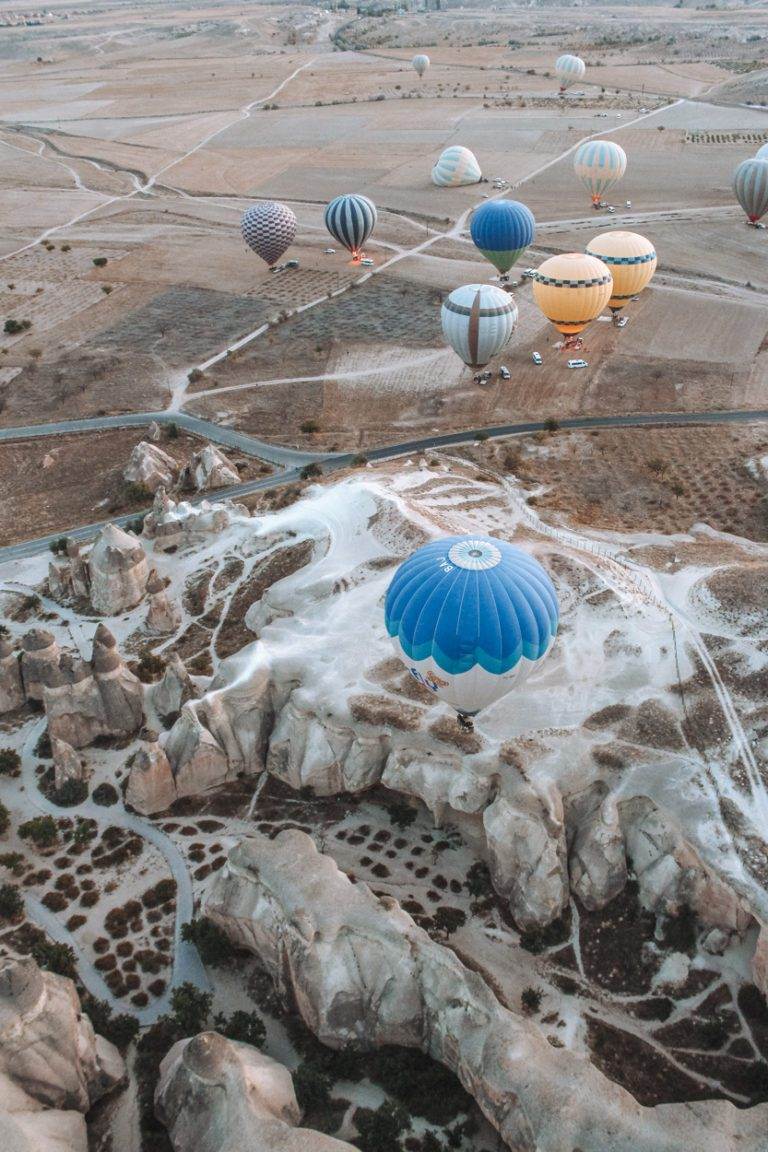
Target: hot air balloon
point(350, 220)
point(502, 230)
point(571, 290)
point(631, 260)
point(750, 183)
point(478, 320)
point(269, 229)
point(599, 164)
point(455, 167)
point(762, 152)
point(420, 64)
point(470, 617)
point(569, 70)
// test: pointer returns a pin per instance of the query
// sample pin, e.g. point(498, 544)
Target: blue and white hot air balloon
point(350, 220)
point(456, 166)
point(470, 617)
point(569, 70)
point(420, 64)
point(762, 152)
point(502, 230)
point(750, 183)
point(599, 164)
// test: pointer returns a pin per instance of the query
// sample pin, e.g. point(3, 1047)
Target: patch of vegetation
point(121, 1029)
point(213, 945)
point(53, 957)
point(11, 902)
point(10, 762)
point(531, 999)
point(15, 327)
point(400, 814)
point(100, 261)
point(105, 795)
point(41, 830)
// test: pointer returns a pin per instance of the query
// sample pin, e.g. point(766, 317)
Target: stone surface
point(67, 765)
point(163, 613)
point(12, 694)
point(362, 972)
point(597, 862)
point(173, 690)
point(151, 787)
point(208, 469)
point(151, 467)
point(526, 848)
point(760, 961)
point(40, 656)
point(117, 567)
point(215, 1095)
point(177, 525)
point(85, 701)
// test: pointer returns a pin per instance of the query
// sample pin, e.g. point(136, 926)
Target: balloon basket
point(573, 344)
point(466, 723)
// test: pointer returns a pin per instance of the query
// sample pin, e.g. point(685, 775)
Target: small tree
point(100, 261)
point(213, 945)
point(380, 1130)
point(190, 1008)
point(310, 426)
point(310, 471)
point(447, 920)
point(550, 424)
point(10, 762)
point(531, 999)
point(245, 1027)
point(313, 1087)
point(478, 881)
point(11, 902)
point(402, 815)
point(41, 830)
point(58, 958)
point(5, 819)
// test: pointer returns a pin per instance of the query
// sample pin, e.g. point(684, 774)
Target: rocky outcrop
point(53, 1067)
point(760, 961)
point(215, 1095)
point(446, 783)
point(151, 467)
point(209, 469)
point(40, 656)
point(526, 848)
point(173, 526)
point(163, 614)
point(84, 701)
point(151, 787)
point(670, 874)
point(118, 572)
point(362, 973)
point(175, 688)
point(68, 576)
point(67, 765)
point(597, 863)
point(12, 693)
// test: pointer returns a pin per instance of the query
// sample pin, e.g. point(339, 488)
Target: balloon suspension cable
point(465, 722)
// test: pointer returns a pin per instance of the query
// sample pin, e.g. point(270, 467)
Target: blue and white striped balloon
point(470, 617)
point(569, 70)
point(420, 63)
point(750, 183)
point(455, 167)
point(762, 152)
point(350, 220)
point(599, 164)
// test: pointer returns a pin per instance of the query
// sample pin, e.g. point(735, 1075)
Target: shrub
point(310, 471)
point(550, 424)
point(71, 792)
point(194, 376)
point(5, 819)
point(213, 945)
point(11, 902)
point(120, 1030)
point(380, 1130)
point(245, 1027)
point(402, 815)
point(313, 1087)
point(58, 958)
point(310, 426)
point(100, 261)
point(58, 547)
point(173, 431)
point(531, 999)
point(14, 327)
point(10, 762)
point(191, 1008)
point(41, 830)
point(447, 920)
point(105, 795)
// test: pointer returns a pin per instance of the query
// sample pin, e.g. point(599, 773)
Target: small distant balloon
point(420, 64)
point(599, 164)
point(478, 320)
point(269, 229)
point(502, 230)
point(456, 166)
point(750, 183)
point(569, 70)
point(350, 219)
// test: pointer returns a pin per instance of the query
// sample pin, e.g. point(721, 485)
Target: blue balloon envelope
point(502, 230)
point(470, 616)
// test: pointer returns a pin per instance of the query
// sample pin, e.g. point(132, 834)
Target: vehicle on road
point(329, 251)
point(291, 264)
point(367, 262)
point(505, 373)
point(529, 274)
point(611, 208)
point(622, 322)
point(628, 204)
point(578, 364)
point(536, 357)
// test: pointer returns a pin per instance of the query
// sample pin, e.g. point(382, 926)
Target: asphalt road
point(332, 463)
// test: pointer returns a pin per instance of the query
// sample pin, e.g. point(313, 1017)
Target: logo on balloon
point(429, 680)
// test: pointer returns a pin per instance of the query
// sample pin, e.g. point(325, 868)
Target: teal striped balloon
point(750, 183)
point(599, 164)
point(569, 70)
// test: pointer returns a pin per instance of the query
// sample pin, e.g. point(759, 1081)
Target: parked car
point(505, 373)
point(578, 364)
point(611, 209)
point(622, 322)
point(529, 274)
point(329, 251)
point(629, 204)
point(367, 262)
point(536, 357)
point(291, 264)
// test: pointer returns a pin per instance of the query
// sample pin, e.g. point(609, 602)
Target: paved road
point(332, 463)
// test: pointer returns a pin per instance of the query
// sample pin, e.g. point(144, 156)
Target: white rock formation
point(760, 961)
point(208, 469)
point(53, 1067)
point(526, 848)
point(67, 765)
point(40, 655)
point(173, 690)
point(178, 525)
point(85, 701)
point(215, 1095)
point(118, 571)
point(151, 467)
point(163, 614)
point(12, 693)
point(151, 787)
point(597, 862)
point(361, 972)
